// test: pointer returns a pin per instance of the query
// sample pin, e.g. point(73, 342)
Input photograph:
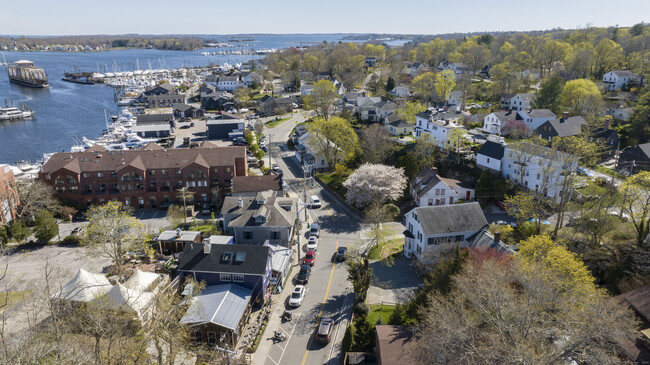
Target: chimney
point(565, 115)
point(363, 93)
point(240, 202)
point(497, 237)
point(491, 110)
point(206, 246)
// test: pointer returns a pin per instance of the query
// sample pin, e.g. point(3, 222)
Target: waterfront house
point(253, 220)
point(144, 178)
point(186, 111)
point(616, 80)
point(162, 130)
point(161, 89)
point(248, 266)
point(8, 196)
point(165, 118)
point(164, 100)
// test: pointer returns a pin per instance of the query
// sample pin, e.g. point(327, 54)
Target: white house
point(432, 231)
point(365, 104)
point(493, 122)
point(615, 80)
point(416, 69)
point(537, 168)
point(439, 125)
point(228, 83)
point(252, 78)
point(521, 101)
point(455, 97)
point(306, 89)
point(621, 113)
point(490, 156)
point(397, 126)
point(400, 91)
point(311, 157)
point(428, 188)
point(381, 110)
point(535, 117)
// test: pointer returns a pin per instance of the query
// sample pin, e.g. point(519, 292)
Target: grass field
point(273, 123)
point(9, 299)
point(390, 248)
point(378, 310)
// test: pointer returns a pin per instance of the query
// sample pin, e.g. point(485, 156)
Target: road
point(328, 294)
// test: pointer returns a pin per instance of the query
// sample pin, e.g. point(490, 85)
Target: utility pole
point(184, 205)
point(298, 224)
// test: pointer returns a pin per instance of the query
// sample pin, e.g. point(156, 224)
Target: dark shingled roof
point(244, 184)
point(154, 118)
point(254, 263)
point(440, 219)
point(492, 150)
point(571, 126)
point(639, 301)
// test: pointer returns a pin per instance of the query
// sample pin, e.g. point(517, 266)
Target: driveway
point(389, 287)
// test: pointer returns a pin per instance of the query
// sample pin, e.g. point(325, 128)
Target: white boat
point(14, 113)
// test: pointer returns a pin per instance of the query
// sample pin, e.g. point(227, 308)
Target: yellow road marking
point(322, 306)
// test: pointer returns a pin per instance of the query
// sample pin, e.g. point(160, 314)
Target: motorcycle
point(287, 316)
point(279, 336)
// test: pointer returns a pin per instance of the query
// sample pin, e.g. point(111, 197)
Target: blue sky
point(66, 17)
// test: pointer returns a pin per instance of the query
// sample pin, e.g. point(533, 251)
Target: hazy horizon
point(409, 17)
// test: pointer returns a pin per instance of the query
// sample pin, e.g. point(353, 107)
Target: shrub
point(361, 309)
point(348, 339)
point(71, 240)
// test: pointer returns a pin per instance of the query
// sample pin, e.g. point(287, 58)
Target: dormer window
point(226, 257)
point(260, 219)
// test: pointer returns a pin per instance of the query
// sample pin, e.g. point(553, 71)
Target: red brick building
point(147, 178)
point(8, 196)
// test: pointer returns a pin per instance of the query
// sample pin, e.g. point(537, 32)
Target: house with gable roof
point(616, 80)
point(562, 127)
point(521, 102)
point(428, 188)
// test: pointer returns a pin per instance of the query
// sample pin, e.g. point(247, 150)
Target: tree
point(390, 83)
point(548, 96)
point(639, 120)
point(425, 151)
point(360, 274)
point(375, 183)
point(549, 318)
point(589, 152)
point(4, 236)
point(636, 203)
point(34, 196)
point(489, 185)
point(176, 215)
point(424, 85)
point(581, 97)
point(334, 138)
point(375, 144)
point(524, 206)
point(19, 231)
point(114, 232)
point(608, 56)
point(476, 56)
point(322, 98)
point(444, 84)
point(515, 129)
point(45, 226)
point(410, 109)
point(242, 96)
point(595, 219)
point(376, 214)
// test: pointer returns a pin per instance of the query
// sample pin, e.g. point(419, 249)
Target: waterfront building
point(146, 178)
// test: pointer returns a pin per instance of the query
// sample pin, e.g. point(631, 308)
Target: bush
point(361, 310)
point(348, 339)
point(71, 240)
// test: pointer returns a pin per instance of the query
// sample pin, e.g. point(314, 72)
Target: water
point(66, 111)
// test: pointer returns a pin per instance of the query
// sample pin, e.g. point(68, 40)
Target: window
point(190, 184)
point(114, 174)
point(410, 227)
point(200, 174)
point(126, 187)
point(178, 172)
point(225, 277)
point(102, 188)
point(204, 197)
point(86, 175)
point(248, 235)
point(198, 336)
point(126, 177)
point(275, 235)
point(237, 278)
point(138, 186)
point(488, 160)
point(127, 201)
point(420, 236)
point(190, 174)
point(212, 338)
point(430, 201)
point(163, 172)
point(151, 172)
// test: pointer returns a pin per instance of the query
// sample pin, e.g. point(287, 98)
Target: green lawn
point(9, 299)
point(390, 248)
point(273, 123)
point(592, 189)
point(378, 310)
point(334, 181)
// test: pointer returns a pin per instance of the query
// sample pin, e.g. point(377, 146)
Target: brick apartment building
point(147, 178)
point(8, 195)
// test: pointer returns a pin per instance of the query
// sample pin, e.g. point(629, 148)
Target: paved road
point(328, 294)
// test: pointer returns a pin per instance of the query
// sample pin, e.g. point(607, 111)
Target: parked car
point(324, 330)
point(275, 167)
point(341, 254)
point(314, 202)
point(585, 172)
point(314, 231)
point(303, 275)
point(207, 209)
point(76, 231)
point(501, 223)
point(312, 244)
point(500, 205)
point(297, 295)
point(310, 257)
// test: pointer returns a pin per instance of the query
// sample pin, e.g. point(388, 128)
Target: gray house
point(252, 220)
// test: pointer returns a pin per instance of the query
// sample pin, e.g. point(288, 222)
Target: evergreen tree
point(45, 226)
point(390, 83)
point(548, 96)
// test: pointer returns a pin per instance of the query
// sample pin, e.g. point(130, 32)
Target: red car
point(310, 257)
point(500, 205)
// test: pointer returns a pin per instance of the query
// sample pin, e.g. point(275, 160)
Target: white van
point(315, 202)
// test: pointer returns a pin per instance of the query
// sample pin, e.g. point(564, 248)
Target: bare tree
point(376, 144)
point(35, 196)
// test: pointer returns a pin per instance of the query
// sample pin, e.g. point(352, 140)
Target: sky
point(76, 17)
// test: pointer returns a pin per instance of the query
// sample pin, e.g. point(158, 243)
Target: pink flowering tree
point(375, 183)
point(515, 129)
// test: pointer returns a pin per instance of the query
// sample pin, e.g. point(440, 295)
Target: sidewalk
point(277, 308)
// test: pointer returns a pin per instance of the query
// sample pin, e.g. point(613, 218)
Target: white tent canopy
point(141, 281)
point(84, 287)
point(121, 297)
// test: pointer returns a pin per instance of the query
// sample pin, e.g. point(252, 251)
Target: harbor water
point(66, 112)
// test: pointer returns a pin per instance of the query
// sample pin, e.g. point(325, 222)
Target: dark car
point(303, 275)
point(324, 330)
point(341, 254)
